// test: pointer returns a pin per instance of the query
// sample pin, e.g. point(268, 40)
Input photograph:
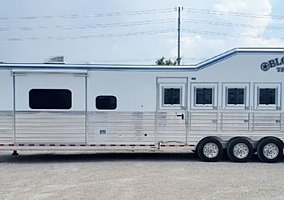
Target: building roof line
point(201, 65)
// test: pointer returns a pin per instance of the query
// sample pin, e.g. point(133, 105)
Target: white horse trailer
point(231, 103)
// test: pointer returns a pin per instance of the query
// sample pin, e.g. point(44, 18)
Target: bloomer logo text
point(273, 63)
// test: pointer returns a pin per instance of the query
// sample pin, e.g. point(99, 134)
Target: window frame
point(69, 107)
point(277, 87)
point(213, 106)
point(226, 87)
point(179, 83)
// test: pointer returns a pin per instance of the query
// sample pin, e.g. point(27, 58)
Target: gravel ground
point(136, 176)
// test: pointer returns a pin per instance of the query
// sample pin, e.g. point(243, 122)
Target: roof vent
point(56, 60)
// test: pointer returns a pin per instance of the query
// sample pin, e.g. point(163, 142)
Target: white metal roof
point(198, 66)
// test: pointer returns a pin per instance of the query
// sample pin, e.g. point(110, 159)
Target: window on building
point(235, 96)
point(50, 99)
point(106, 102)
point(267, 96)
point(203, 96)
point(172, 96)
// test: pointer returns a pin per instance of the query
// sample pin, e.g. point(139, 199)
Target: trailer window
point(203, 96)
point(106, 102)
point(50, 99)
point(267, 96)
point(235, 96)
point(172, 96)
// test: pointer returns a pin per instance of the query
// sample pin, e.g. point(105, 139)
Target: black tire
point(261, 150)
point(239, 141)
point(208, 141)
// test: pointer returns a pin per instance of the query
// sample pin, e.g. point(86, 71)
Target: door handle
point(181, 115)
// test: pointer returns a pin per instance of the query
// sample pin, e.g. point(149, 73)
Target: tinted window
point(106, 102)
point(171, 96)
point(50, 99)
point(267, 96)
point(204, 96)
point(236, 96)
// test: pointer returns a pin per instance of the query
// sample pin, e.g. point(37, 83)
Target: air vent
point(56, 60)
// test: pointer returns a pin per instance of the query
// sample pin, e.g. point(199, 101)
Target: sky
point(134, 32)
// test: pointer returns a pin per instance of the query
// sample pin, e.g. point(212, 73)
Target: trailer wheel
point(210, 150)
point(240, 150)
point(270, 150)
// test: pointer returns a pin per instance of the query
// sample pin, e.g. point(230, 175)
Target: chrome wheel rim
point(211, 150)
point(270, 151)
point(241, 150)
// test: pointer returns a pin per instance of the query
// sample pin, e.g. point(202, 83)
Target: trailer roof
point(196, 67)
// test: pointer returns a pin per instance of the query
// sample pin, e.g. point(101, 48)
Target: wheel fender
point(271, 137)
point(209, 137)
point(240, 137)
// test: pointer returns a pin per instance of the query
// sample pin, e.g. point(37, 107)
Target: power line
point(230, 24)
point(132, 34)
point(91, 26)
point(140, 23)
point(228, 34)
point(238, 14)
point(75, 16)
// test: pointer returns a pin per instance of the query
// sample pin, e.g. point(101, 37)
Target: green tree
point(163, 61)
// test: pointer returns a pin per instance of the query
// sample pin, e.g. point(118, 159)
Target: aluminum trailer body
point(232, 101)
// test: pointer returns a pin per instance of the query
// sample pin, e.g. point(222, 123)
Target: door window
point(172, 93)
point(172, 96)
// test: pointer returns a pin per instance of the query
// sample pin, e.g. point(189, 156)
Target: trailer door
point(50, 107)
point(171, 110)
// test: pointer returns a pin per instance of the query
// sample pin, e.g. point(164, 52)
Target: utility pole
point(179, 23)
